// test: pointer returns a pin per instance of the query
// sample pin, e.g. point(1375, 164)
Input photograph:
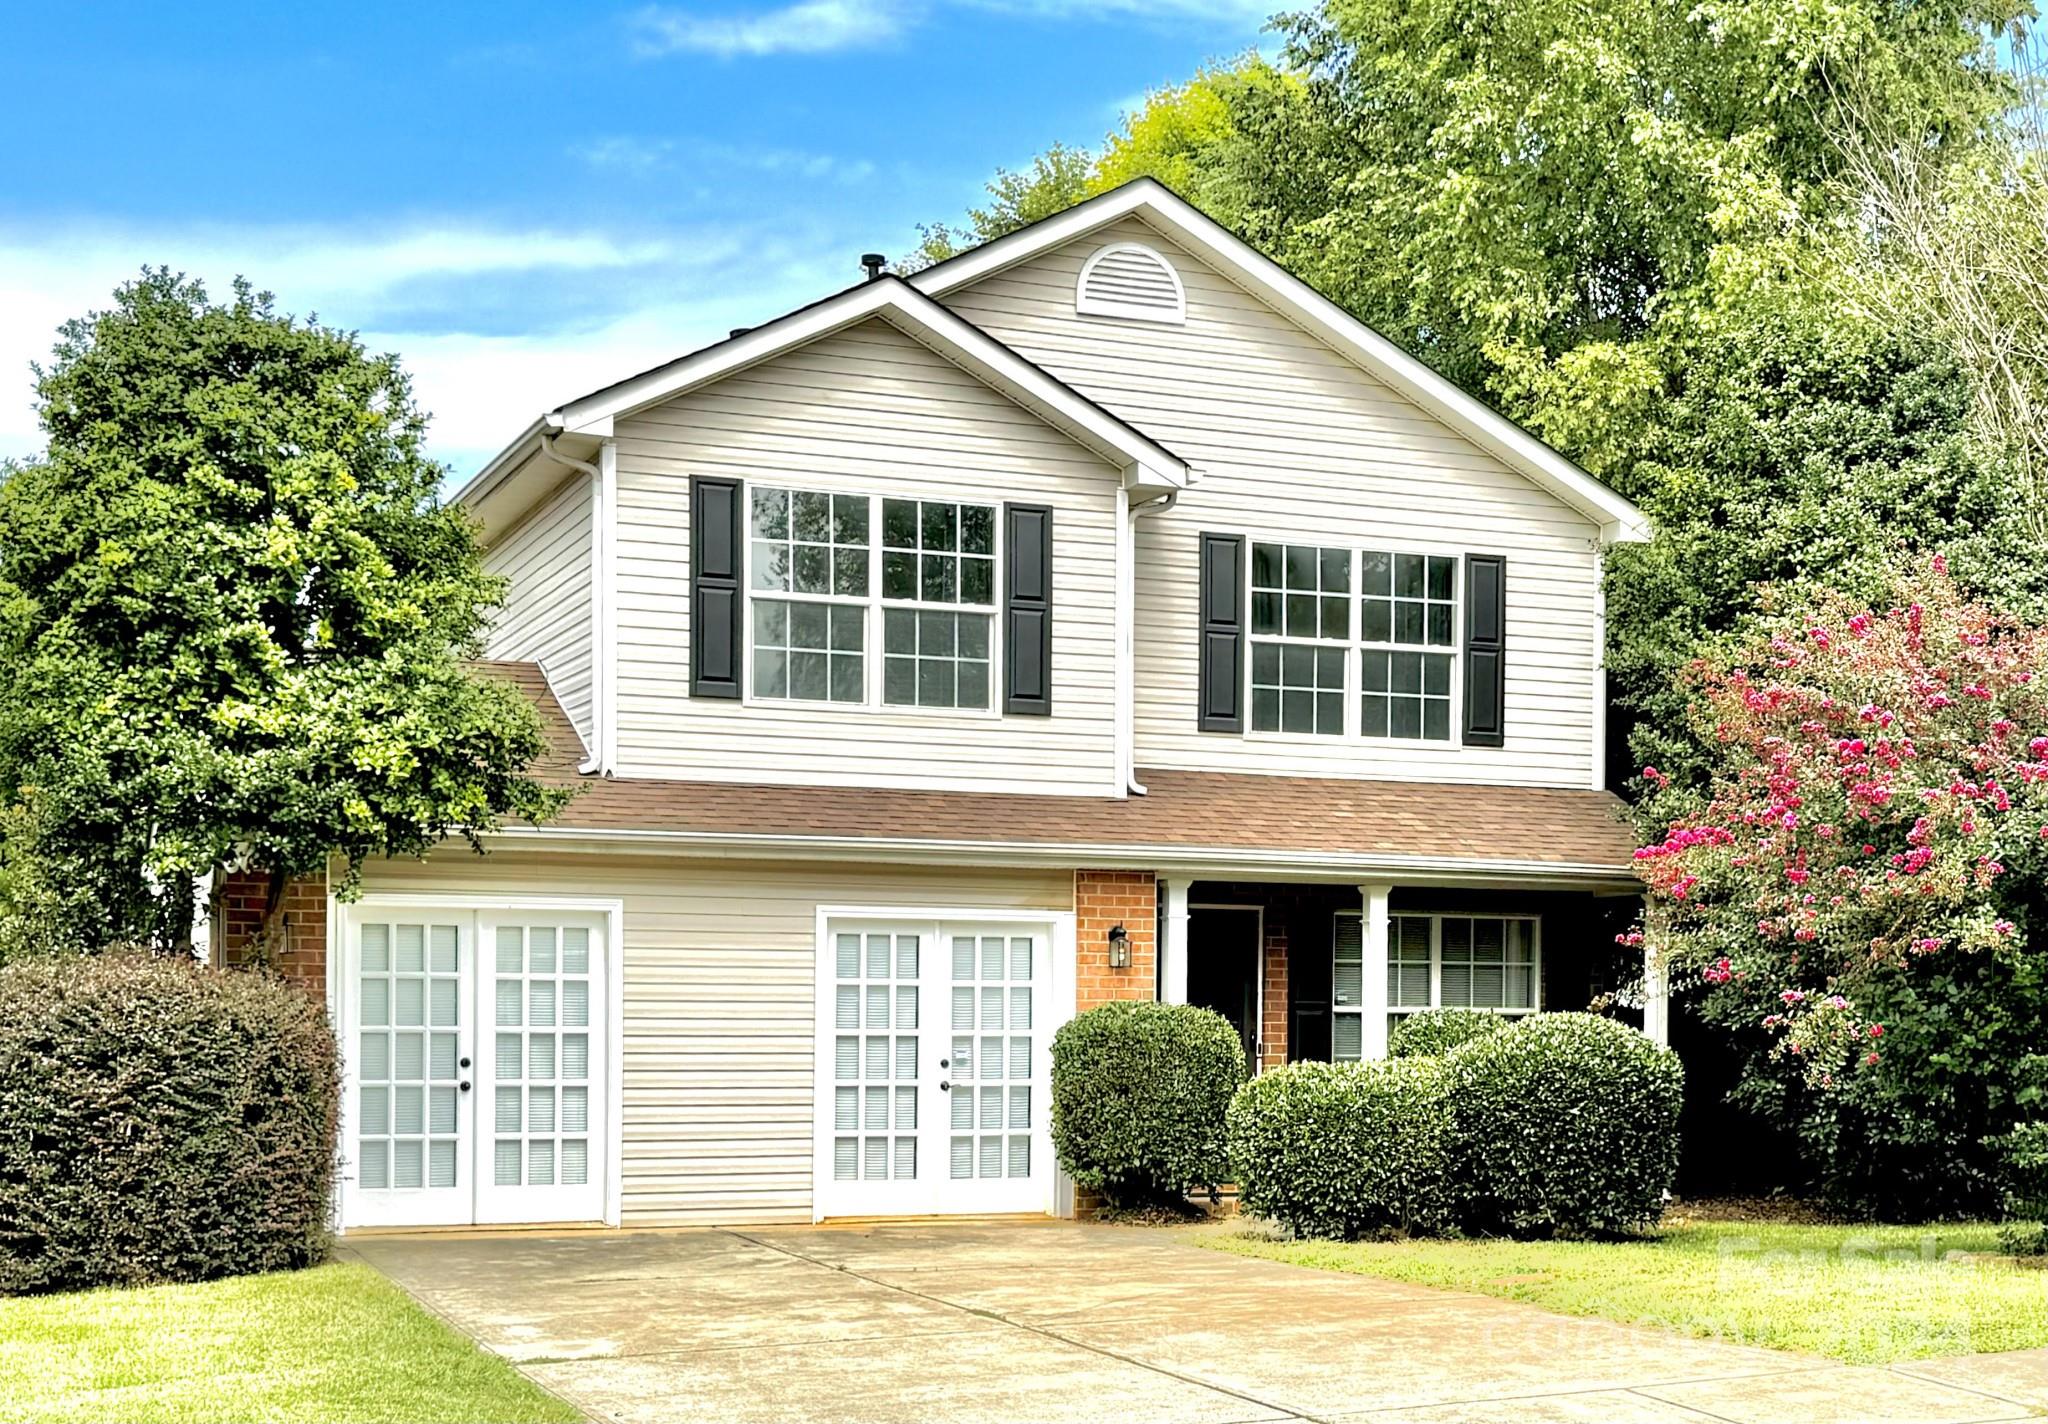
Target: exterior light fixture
point(1119, 948)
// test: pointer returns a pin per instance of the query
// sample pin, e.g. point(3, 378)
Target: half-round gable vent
point(1130, 280)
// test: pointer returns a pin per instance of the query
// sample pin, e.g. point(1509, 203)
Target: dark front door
point(1223, 969)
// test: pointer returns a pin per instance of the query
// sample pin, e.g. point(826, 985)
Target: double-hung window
point(1456, 961)
point(808, 553)
point(1311, 660)
point(1408, 632)
point(1300, 635)
point(938, 593)
point(824, 568)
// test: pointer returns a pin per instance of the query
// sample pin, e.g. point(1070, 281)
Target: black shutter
point(1221, 694)
point(715, 602)
point(1027, 610)
point(1486, 621)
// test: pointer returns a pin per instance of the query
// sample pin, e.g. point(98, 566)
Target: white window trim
point(1436, 920)
point(1355, 646)
point(872, 604)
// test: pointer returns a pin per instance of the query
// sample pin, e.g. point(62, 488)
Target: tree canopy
point(234, 619)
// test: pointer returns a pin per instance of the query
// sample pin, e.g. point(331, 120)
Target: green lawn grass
point(337, 1342)
point(1864, 1294)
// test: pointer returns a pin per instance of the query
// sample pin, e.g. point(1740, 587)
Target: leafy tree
point(1805, 448)
point(233, 621)
point(1850, 896)
point(1056, 181)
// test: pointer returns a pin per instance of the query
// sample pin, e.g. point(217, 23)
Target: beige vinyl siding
point(1294, 442)
point(866, 411)
point(546, 617)
point(719, 1011)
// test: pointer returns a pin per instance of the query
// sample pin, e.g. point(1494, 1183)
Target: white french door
point(476, 1050)
point(934, 1064)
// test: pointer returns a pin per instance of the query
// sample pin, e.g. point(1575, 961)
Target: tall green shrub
point(1434, 1032)
point(159, 1122)
point(1567, 1124)
point(1139, 1095)
point(1345, 1149)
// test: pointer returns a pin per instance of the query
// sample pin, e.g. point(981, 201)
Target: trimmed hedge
point(1345, 1149)
point(159, 1122)
point(1434, 1032)
point(1567, 1124)
point(1139, 1094)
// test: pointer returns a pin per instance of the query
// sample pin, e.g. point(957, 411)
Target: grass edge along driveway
point(331, 1343)
point(1861, 1294)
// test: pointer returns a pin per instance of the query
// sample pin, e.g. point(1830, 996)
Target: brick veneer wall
point(290, 938)
point(1104, 899)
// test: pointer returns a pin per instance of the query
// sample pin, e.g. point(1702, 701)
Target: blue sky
point(527, 201)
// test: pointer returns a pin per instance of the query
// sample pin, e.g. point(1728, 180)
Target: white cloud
point(623, 153)
point(807, 27)
point(477, 315)
point(826, 26)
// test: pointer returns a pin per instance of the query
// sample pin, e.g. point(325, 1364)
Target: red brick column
point(1104, 899)
point(1273, 1028)
point(290, 937)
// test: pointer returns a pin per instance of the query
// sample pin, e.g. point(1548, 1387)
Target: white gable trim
point(1619, 520)
point(1146, 465)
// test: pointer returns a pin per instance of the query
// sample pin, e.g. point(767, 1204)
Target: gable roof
point(1147, 465)
point(1152, 202)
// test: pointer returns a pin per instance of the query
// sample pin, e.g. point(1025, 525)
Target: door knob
point(465, 1085)
point(462, 1063)
point(944, 1086)
point(945, 1063)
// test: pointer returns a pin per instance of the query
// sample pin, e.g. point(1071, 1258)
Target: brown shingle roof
point(1281, 817)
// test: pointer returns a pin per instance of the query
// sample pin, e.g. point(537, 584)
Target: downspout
point(1127, 600)
point(600, 586)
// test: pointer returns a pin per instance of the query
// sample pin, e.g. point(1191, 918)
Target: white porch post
point(1173, 954)
point(1656, 980)
point(1372, 995)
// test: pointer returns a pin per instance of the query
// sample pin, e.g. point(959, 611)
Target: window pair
point(1310, 630)
point(823, 568)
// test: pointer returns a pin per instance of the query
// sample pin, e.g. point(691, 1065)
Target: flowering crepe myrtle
point(1878, 770)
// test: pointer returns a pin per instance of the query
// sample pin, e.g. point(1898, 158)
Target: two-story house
point(1099, 614)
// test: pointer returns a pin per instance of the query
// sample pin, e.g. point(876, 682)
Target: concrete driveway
point(1061, 1322)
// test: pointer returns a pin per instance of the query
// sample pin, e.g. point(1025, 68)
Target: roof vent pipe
point(873, 262)
point(738, 331)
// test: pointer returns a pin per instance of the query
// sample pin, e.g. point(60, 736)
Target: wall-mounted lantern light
point(1119, 948)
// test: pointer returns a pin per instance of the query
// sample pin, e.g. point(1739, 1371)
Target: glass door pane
point(544, 997)
point(409, 1050)
point(876, 1006)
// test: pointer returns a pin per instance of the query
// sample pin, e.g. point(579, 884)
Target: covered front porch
point(1314, 970)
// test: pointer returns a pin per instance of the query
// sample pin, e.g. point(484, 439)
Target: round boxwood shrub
point(159, 1121)
point(1567, 1124)
point(1345, 1149)
point(1139, 1093)
point(1437, 1031)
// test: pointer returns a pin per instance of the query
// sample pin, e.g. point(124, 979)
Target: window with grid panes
point(1300, 630)
point(812, 548)
point(1407, 611)
point(938, 593)
point(1433, 961)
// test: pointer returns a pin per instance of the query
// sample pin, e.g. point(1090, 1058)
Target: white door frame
point(341, 916)
point(1058, 926)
